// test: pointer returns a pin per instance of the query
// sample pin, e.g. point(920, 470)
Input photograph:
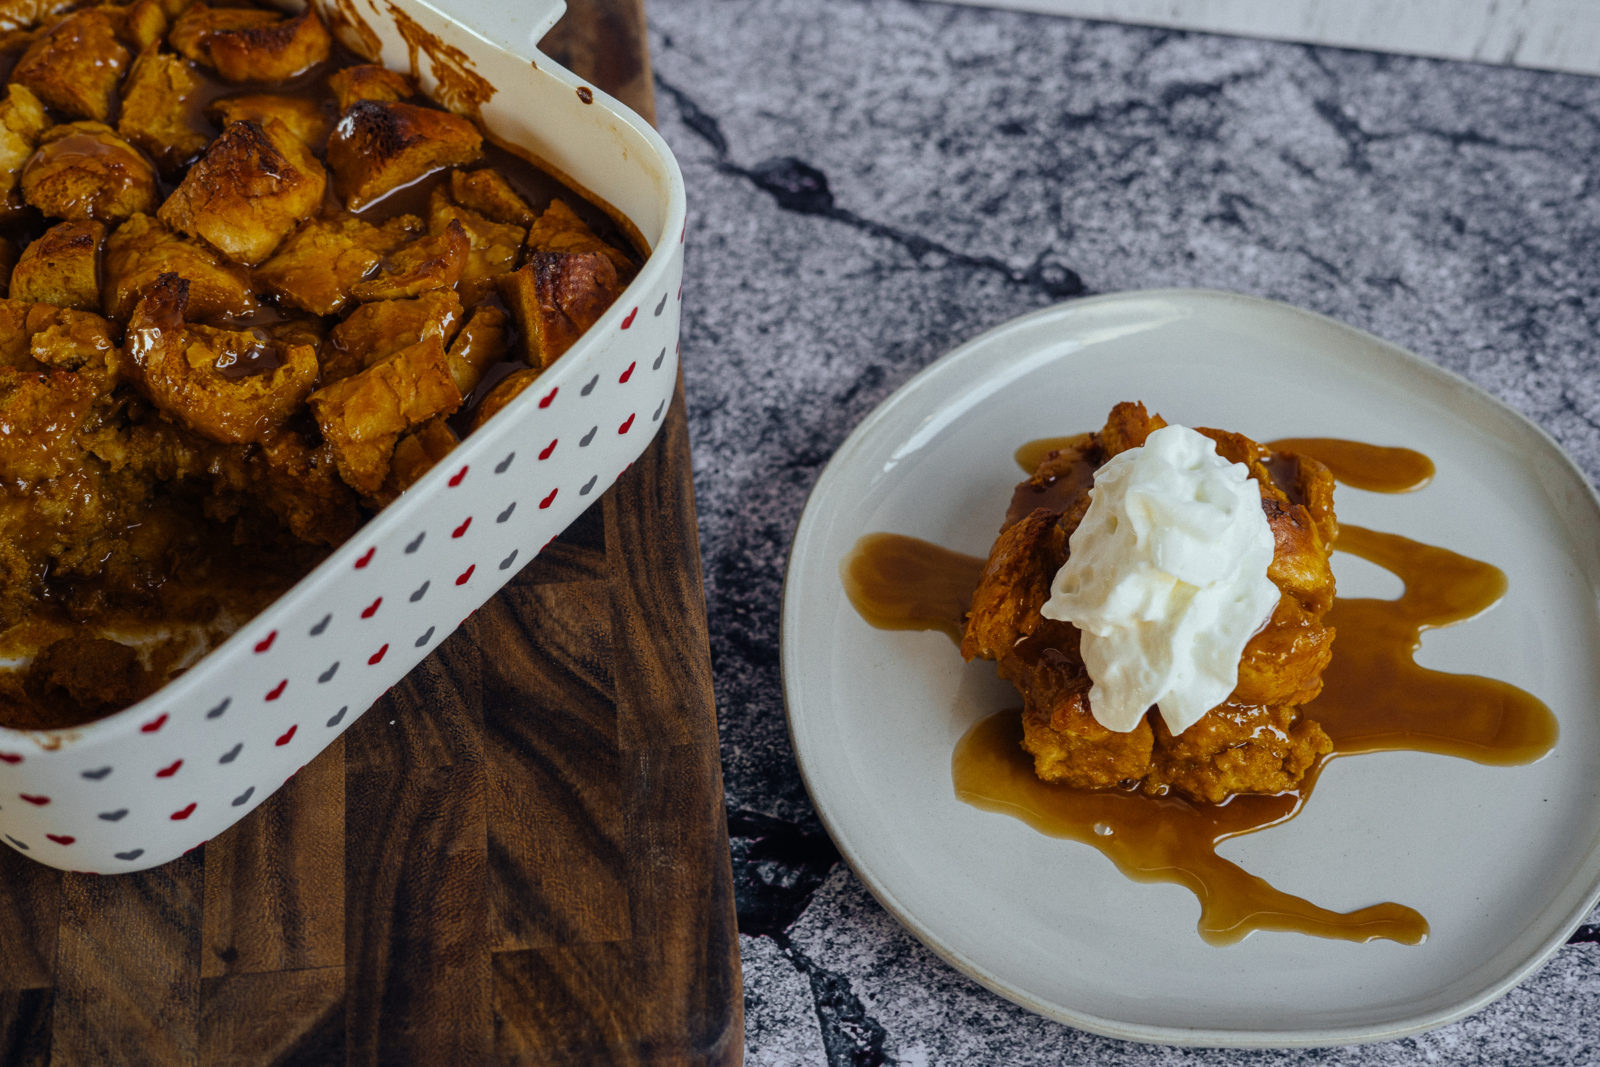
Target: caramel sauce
point(1055, 493)
point(901, 583)
point(1030, 455)
point(1165, 839)
point(260, 356)
point(1418, 709)
point(1375, 698)
point(460, 87)
point(1363, 466)
point(83, 146)
point(351, 29)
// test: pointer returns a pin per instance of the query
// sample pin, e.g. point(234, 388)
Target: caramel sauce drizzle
point(901, 583)
point(1030, 455)
point(460, 87)
point(1375, 698)
point(1364, 466)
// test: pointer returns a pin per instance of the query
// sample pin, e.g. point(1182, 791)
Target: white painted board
point(1544, 34)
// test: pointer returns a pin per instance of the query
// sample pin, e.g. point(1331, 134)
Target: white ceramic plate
point(1504, 862)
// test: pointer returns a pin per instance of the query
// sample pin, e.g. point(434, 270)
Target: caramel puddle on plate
point(1375, 698)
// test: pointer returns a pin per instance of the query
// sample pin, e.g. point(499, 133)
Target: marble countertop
point(873, 182)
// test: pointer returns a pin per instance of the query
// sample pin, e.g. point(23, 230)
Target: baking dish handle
point(517, 26)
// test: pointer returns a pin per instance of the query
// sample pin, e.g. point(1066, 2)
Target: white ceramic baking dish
point(157, 779)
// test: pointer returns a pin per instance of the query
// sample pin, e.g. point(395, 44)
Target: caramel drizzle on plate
point(1375, 698)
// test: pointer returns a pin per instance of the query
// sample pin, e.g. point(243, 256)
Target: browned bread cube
point(504, 392)
point(141, 250)
point(556, 296)
point(416, 454)
point(73, 340)
point(144, 23)
point(160, 109)
point(487, 192)
point(75, 65)
point(251, 189)
point(482, 343)
point(560, 229)
point(369, 82)
point(62, 267)
point(249, 44)
point(363, 416)
point(379, 146)
point(231, 386)
point(302, 115)
point(83, 170)
point(376, 330)
point(33, 336)
point(492, 246)
point(316, 267)
point(428, 263)
point(22, 120)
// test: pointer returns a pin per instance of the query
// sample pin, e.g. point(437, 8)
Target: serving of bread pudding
point(1255, 741)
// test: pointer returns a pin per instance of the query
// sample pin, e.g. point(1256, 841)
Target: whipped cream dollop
point(1167, 580)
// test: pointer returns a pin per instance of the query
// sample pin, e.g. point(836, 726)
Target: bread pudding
point(254, 288)
point(1257, 740)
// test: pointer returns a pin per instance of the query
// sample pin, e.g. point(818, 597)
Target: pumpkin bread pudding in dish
point(253, 289)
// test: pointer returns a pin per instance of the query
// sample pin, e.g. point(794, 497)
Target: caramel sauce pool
point(1375, 698)
point(900, 583)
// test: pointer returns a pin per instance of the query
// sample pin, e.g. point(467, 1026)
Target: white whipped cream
point(1167, 580)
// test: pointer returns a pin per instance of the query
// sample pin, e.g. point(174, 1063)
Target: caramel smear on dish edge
point(1375, 698)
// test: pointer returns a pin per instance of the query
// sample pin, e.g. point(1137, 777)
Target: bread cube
point(62, 267)
point(304, 116)
point(559, 229)
point(504, 392)
point(428, 263)
point(376, 330)
point(72, 340)
point(249, 44)
point(76, 65)
point(487, 192)
point(363, 416)
point(555, 297)
point(230, 386)
point(316, 267)
point(249, 191)
point(492, 249)
point(144, 24)
point(38, 336)
point(416, 454)
point(379, 146)
point(369, 82)
point(141, 250)
point(84, 170)
point(482, 343)
point(161, 112)
point(22, 120)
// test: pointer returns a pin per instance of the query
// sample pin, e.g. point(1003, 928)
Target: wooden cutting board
point(519, 853)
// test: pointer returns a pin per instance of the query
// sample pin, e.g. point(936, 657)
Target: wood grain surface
point(519, 854)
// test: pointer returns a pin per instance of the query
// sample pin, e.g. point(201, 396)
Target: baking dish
point(159, 778)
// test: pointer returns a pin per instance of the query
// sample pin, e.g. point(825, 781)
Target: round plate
point(1503, 861)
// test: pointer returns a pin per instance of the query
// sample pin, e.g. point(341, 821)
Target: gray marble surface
point(873, 182)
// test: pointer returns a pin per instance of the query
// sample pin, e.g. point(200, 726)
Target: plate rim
point(1220, 1037)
